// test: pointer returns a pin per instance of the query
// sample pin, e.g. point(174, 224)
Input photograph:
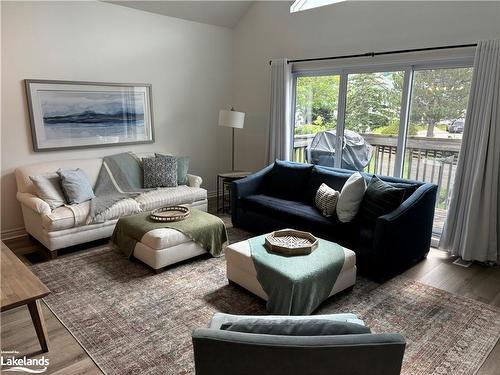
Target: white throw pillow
point(326, 200)
point(350, 197)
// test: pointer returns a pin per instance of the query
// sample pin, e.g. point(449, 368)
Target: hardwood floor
point(67, 357)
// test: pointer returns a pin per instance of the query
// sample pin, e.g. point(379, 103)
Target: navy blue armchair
point(282, 196)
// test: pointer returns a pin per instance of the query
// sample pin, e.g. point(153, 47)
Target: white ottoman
point(162, 247)
point(241, 270)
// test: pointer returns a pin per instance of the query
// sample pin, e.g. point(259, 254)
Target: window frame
point(409, 68)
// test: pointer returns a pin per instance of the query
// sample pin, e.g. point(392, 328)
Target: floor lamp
point(231, 119)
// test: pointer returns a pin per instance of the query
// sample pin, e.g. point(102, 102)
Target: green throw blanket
point(296, 285)
point(206, 230)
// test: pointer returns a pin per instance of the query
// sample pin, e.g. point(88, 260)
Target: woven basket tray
point(291, 242)
point(170, 213)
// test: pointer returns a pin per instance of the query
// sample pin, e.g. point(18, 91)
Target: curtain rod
point(373, 54)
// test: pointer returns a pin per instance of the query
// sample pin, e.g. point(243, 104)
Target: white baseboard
point(13, 233)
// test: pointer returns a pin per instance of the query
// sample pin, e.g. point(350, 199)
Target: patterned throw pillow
point(326, 200)
point(160, 171)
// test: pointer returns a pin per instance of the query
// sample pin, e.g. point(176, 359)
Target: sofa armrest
point(34, 203)
point(194, 181)
point(250, 184)
point(404, 235)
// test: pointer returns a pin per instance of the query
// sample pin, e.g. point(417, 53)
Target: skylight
point(300, 5)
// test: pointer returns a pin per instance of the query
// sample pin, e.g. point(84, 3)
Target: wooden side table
point(224, 184)
point(21, 287)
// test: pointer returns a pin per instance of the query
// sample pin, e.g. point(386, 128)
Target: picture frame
point(67, 115)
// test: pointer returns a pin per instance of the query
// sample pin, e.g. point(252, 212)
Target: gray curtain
point(473, 223)
point(280, 130)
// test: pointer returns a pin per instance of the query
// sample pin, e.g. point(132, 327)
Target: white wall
point(188, 64)
point(268, 31)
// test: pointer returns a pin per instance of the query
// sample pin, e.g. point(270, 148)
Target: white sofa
point(61, 227)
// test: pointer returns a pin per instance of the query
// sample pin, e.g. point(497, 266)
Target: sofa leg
point(48, 254)
point(159, 270)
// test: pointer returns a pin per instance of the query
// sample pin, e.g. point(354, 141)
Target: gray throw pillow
point(160, 171)
point(289, 327)
point(326, 200)
point(48, 187)
point(75, 185)
point(182, 168)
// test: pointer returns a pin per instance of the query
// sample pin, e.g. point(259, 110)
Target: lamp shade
point(231, 119)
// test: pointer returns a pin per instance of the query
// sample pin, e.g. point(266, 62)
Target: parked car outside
point(456, 127)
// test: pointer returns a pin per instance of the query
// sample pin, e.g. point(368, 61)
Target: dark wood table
point(19, 286)
point(224, 183)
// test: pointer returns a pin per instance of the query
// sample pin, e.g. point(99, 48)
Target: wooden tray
point(170, 213)
point(291, 242)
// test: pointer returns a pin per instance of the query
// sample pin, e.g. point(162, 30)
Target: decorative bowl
point(291, 242)
point(170, 213)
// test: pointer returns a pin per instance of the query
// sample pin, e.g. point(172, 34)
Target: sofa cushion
point(78, 214)
point(289, 327)
point(65, 218)
point(288, 180)
point(182, 194)
point(321, 175)
point(292, 213)
point(380, 198)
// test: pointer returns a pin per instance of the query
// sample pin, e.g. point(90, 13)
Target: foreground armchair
point(220, 351)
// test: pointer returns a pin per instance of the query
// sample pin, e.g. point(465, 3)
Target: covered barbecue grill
point(356, 154)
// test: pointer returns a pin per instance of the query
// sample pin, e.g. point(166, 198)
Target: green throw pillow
point(290, 327)
point(380, 198)
point(182, 168)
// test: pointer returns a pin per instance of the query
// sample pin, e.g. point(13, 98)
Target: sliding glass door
point(406, 122)
point(436, 123)
point(372, 111)
point(316, 109)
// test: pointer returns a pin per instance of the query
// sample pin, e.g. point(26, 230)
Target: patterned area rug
point(132, 321)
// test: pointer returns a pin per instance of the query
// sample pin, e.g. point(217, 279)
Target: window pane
point(437, 111)
point(372, 110)
point(316, 101)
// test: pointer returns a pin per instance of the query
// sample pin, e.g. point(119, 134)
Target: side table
point(224, 184)
point(21, 287)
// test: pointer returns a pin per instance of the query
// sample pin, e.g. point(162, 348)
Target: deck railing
point(426, 159)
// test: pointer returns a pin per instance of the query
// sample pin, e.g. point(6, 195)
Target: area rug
point(132, 321)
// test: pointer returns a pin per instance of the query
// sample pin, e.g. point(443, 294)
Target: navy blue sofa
point(282, 196)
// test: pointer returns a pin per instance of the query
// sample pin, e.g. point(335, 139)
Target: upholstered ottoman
point(162, 247)
point(241, 269)
point(160, 244)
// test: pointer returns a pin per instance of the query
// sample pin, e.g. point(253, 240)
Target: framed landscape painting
point(69, 115)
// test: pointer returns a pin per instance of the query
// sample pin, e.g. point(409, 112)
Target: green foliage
point(440, 94)
point(374, 101)
point(311, 128)
point(316, 97)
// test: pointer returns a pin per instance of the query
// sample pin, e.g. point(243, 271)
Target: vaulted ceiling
point(220, 13)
